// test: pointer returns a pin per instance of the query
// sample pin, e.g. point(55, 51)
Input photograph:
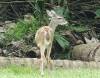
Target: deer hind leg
point(49, 61)
point(42, 50)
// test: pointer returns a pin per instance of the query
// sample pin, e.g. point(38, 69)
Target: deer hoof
point(42, 74)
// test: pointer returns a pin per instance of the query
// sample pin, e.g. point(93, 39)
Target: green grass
point(26, 72)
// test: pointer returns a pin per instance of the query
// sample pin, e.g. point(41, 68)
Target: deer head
point(93, 40)
point(56, 19)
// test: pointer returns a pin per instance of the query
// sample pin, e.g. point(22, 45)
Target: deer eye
point(59, 18)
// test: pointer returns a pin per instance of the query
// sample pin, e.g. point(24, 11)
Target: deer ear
point(50, 13)
point(53, 12)
point(94, 39)
point(87, 40)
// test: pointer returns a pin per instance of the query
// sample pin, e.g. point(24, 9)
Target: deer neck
point(53, 24)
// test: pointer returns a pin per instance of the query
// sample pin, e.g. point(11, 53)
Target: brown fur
point(44, 38)
point(86, 52)
point(42, 35)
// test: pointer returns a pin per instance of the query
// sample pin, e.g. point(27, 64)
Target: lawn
point(26, 72)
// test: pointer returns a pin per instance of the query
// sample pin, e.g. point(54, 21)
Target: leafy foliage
point(80, 14)
point(22, 29)
point(77, 28)
point(61, 41)
point(97, 13)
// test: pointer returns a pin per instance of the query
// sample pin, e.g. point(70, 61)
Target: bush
point(22, 29)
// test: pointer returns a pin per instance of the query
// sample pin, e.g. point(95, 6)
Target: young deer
point(93, 40)
point(44, 37)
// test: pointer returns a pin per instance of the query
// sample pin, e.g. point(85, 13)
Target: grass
point(26, 72)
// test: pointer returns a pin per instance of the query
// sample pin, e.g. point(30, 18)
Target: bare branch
point(10, 2)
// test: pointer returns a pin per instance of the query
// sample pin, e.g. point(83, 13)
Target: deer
point(93, 40)
point(44, 37)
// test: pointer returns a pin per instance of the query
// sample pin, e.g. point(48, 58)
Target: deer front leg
point(49, 62)
point(42, 50)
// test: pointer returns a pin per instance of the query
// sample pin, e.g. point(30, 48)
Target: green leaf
point(77, 28)
point(61, 41)
point(97, 13)
point(59, 10)
point(22, 29)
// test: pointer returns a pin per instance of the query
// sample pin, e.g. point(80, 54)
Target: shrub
point(22, 29)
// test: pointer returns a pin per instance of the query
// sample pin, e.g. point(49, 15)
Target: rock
point(9, 25)
point(2, 30)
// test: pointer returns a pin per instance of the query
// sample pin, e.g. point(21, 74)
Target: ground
point(27, 72)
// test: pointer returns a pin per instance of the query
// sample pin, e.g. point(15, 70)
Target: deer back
point(44, 36)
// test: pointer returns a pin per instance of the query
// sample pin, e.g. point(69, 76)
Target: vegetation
point(22, 29)
point(83, 17)
point(84, 21)
point(26, 72)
